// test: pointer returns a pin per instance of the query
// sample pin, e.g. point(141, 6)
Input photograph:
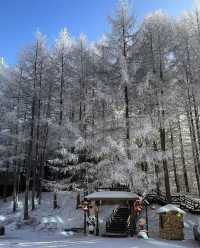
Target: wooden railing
point(110, 218)
point(186, 202)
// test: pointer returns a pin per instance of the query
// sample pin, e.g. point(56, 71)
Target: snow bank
point(44, 217)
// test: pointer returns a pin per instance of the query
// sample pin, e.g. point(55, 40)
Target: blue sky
point(19, 19)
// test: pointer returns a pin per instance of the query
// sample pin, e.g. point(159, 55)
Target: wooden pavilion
point(116, 224)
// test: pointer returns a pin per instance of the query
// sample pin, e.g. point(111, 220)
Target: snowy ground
point(93, 242)
point(44, 218)
point(47, 228)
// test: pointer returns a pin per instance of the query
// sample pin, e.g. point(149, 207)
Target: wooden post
point(78, 201)
point(85, 210)
point(146, 215)
point(85, 230)
point(97, 219)
point(55, 203)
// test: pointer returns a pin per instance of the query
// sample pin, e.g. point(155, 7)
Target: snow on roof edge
point(112, 195)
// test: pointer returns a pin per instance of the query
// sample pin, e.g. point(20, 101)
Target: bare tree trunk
point(162, 125)
point(36, 175)
point(173, 160)
point(5, 188)
point(193, 152)
point(93, 116)
point(190, 95)
point(127, 120)
point(55, 198)
point(155, 148)
point(163, 150)
point(126, 97)
point(103, 117)
point(61, 90)
point(80, 104)
point(44, 143)
point(193, 130)
point(157, 179)
point(30, 163)
point(16, 165)
point(196, 114)
point(16, 177)
point(165, 166)
point(15, 187)
point(183, 157)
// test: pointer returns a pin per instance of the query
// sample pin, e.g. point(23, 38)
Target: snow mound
point(170, 208)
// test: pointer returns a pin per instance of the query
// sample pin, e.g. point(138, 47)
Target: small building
point(171, 223)
point(113, 223)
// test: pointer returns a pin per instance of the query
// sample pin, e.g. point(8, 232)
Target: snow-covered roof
point(169, 208)
point(112, 195)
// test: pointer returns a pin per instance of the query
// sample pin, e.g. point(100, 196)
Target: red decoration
point(137, 206)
